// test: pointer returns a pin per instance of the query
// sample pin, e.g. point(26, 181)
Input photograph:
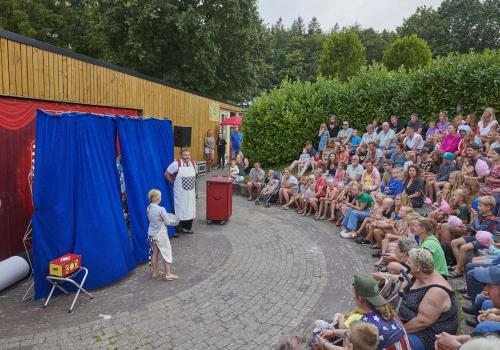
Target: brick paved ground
point(242, 285)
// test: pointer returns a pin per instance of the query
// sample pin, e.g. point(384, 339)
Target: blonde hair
point(405, 201)
point(427, 224)
point(388, 201)
point(397, 171)
point(473, 186)
point(491, 111)
point(153, 195)
point(406, 209)
point(459, 183)
point(364, 336)
point(413, 215)
point(490, 342)
point(423, 259)
point(386, 311)
point(380, 196)
point(488, 201)
point(460, 192)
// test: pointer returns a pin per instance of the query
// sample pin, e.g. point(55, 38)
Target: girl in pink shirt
point(451, 140)
point(343, 155)
point(339, 174)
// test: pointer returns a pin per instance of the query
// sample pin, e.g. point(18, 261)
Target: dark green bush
point(277, 123)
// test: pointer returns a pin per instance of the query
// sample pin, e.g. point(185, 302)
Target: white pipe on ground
point(13, 270)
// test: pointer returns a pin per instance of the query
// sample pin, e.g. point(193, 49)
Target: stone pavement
point(242, 285)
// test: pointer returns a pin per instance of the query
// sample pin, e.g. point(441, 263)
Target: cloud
point(378, 14)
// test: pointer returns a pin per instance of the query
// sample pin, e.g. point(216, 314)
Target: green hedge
point(277, 123)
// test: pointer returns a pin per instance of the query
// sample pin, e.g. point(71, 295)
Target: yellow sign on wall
point(214, 112)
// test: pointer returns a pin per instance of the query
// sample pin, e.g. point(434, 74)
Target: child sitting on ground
point(395, 185)
point(354, 142)
point(362, 153)
point(411, 158)
point(271, 185)
point(295, 198)
point(467, 167)
point(375, 213)
point(339, 174)
point(431, 130)
point(401, 228)
point(343, 155)
point(303, 163)
point(482, 221)
point(234, 172)
point(343, 197)
point(386, 216)
point(455, 225)
point(306, 196)
point(429, 142)
point(325, 202)
point(387, 226)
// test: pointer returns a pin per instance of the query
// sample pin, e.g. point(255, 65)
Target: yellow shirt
point(367, 180)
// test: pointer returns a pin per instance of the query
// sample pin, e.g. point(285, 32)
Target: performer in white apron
point(184, 183)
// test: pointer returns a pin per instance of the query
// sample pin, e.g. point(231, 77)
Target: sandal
point(454, 274)
point(155, 275)
point(173, 278)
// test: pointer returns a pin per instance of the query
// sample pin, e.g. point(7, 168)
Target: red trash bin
point(219, 199)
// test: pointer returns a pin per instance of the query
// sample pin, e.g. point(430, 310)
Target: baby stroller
point(270, 193)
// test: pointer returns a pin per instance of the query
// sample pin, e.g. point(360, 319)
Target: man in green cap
point(377, 311)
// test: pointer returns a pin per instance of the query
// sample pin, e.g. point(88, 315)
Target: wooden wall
point(30, 72)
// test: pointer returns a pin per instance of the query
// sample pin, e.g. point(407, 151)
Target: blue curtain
point(147, 149)
point(77, 198)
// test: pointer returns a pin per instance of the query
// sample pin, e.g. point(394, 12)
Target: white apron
point(184, 191)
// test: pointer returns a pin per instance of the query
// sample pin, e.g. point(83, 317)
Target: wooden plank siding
point(36, 73)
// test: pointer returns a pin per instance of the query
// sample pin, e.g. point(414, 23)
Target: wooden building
point(34, 75)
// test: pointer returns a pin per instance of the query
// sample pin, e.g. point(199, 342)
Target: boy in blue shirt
point(354, 142)
point(395, 185)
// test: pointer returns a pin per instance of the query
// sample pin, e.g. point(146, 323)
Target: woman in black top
point(414, 186)
point(331, 165)
point(333, 127)
point(428, 308)
point(221, 151)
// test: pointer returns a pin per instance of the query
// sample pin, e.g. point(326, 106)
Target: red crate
point(65, 265)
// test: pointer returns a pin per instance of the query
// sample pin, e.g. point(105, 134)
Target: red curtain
point(17, 137)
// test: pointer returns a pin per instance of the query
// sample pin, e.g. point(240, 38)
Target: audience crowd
point(426, 199)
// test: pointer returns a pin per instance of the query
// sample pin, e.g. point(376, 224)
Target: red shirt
point(320, 182)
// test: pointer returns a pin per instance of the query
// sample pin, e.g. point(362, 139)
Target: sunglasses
point(346, 124)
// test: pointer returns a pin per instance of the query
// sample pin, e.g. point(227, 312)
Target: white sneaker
point(346, 234)
point(344, 230)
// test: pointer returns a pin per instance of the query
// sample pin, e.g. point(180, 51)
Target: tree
point(298, 27)
point(216, 48)
point(294, 65)
point(342, 55)
point(456, 26)
point(409, 52)
point(375, 43)
point(43, 20)
point(314, 27)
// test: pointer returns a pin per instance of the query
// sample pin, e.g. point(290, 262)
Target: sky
point(378, 14)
